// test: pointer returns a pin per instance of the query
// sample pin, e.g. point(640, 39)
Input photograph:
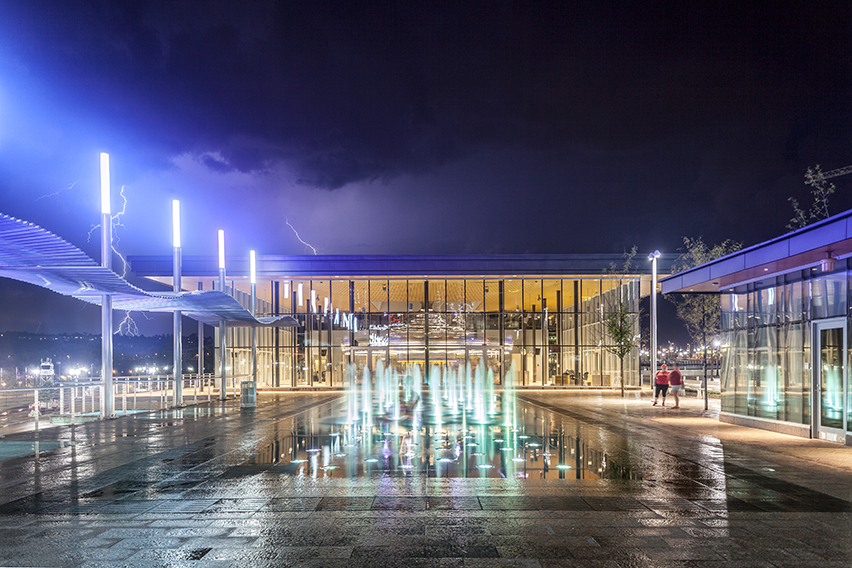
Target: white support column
point(177, 359)
point(653, 258)
point(253, 277)
point(222, 323)
point(108, 399)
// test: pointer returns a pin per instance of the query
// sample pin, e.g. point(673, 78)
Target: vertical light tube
point(253, 278)
point(108, 398)
point(301, 295)
point(222, 322)
point(177, 331)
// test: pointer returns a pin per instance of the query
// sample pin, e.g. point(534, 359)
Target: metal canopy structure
point(29, 253)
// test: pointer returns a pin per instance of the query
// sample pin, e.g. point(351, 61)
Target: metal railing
point(83, 401)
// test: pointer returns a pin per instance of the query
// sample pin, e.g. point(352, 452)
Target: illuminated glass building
point(542, 314)
point(786, 315)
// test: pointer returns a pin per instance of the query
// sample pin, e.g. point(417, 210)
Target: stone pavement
point(187, 488)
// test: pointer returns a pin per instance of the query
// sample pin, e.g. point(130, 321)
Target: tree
point(700, 313)
point(620, 322)
point(821, 191)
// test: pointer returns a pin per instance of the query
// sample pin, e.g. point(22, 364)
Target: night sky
point(417, 127)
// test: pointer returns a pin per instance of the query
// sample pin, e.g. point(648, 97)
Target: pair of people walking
point(665, 379)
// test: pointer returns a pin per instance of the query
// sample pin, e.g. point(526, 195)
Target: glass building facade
point(547, 325)
point(786, 315)
point(781, 337)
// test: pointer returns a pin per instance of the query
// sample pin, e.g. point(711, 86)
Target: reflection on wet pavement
point(531, 442)
point(216, 485)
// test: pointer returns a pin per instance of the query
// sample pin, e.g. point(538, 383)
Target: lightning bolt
point(127, 326)
point(298, 237)
point(116, 222)
point(57, 192)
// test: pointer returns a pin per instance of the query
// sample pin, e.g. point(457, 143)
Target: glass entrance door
point(830, 380)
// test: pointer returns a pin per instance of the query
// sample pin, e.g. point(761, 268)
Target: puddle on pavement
point(16, 449)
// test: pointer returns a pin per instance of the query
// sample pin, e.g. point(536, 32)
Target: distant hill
point(20, 350)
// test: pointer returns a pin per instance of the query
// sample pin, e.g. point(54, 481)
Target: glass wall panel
point(438, 295)
point(416, 295)
point(362, 296)
point(455, 296)
point(437, 329)
point(512, 295)
point(549, 292)
point(378, 295)
point(794, 301)
point(340, 295)
point(456, 328)
point(741, 368)
point(568, 296)
point(474, 295)
point(532, 295)
point(322, 292)
point(475, 327)
point(398, 296)
point(416, 329)
point(830, 296)
point(492, 296)
point(765, 309)
point(492, 328)
point(302, 294)
point(796, 374)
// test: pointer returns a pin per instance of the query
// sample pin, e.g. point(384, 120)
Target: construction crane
point(833, 173)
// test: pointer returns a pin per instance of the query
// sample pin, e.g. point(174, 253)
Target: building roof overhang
point(814, 246)
point(365, 266)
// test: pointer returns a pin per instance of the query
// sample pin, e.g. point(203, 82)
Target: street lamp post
point(177, 360)
point(653, 258)
point(108, 398)
point(222, 322)
point(253, 277)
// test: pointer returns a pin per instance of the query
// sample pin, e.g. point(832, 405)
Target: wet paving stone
point(191, 498)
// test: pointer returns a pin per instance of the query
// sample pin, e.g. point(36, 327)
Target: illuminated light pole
point(222, 323)
point(653, 258)
point(108, 396)
point(177, 360)
point(253, 278)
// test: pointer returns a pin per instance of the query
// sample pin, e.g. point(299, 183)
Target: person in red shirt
point(662, 384)
point(676, 382)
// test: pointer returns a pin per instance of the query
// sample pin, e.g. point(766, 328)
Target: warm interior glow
point(105, 208)
point(221, 249)
point(176, 223)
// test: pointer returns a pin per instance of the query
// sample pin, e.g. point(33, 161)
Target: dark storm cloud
point(346, 92)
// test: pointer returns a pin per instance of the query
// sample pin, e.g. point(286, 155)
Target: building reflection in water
point(450, 423)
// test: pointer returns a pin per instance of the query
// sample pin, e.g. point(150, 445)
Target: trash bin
point(248, 394)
